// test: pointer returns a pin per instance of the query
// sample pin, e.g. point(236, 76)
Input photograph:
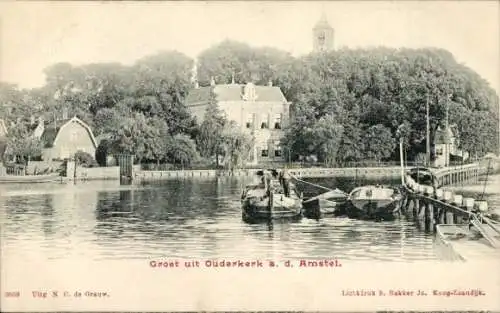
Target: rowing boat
point(13, 179)
point(374, 202)
point(477, 241)
point(423, 176)
point(330, 203)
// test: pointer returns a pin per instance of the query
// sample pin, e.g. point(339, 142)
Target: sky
point(34, 35)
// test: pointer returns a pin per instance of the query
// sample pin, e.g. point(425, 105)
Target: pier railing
point(431, 205)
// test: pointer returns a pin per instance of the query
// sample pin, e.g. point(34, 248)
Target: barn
point(63, 138)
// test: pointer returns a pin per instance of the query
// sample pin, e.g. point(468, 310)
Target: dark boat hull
point(320, 208)
point(375, 202)
point(374, 209)
point(255, 211)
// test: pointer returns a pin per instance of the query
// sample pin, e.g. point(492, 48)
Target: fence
point(293, 165)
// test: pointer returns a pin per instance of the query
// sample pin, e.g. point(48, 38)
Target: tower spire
point(323, 34)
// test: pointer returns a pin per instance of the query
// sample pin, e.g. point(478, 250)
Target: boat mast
point(427, 139)
point(401, 160)
point(448, 140)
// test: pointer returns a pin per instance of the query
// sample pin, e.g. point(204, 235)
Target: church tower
point(323, 35)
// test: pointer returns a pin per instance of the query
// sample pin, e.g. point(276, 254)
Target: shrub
point(85, 159)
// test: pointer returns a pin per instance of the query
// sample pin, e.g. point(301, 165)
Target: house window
point(264, 122)
point(277, 149)
point(264, 153)
point(277, 121)
point(249, 122)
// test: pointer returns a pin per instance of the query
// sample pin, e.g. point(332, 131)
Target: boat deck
point(468, 246)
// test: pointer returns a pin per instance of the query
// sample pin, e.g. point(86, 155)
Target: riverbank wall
point(369, 173)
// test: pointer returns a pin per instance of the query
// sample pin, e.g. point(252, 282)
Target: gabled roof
point(443, 136)
point(52, 130)
point(233, 92)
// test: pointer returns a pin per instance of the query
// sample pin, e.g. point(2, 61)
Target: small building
point(262, 111)
point(62, 139)
point(446, 148)
point(443, 140)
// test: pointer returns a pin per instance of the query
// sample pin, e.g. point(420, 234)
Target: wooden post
point(441, 215)
point(404, 204)
point(421, 211)
point(416, 206)
point(430, 216)
point(409, 205)
point(449, 217)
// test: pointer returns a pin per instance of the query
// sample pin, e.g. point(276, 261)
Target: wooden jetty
point(462, 225)
point(431, 206)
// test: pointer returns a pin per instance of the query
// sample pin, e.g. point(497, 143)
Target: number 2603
point(12, 294)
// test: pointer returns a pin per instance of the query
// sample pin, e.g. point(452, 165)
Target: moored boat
point(423, 176)
point(374, 202)
point(264, 203)
point(331, 203)
point(474, 242)
point(13, 179)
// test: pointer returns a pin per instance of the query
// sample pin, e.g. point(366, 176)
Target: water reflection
point(187, 218)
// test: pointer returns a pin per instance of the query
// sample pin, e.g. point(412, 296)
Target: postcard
point(337, 156)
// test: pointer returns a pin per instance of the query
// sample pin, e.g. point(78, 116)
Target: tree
point(102, 152)
point(379, 142)
point(367, 87)
point(475, 135)
point(237, 146)
point(22, 145)
point(230, 60)
point(182, 149)
point(327, 134)
point(209, 139)
point(143, 137)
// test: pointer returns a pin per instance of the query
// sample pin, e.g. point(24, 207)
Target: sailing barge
point(267, 200)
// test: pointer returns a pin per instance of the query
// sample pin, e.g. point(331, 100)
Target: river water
point(188, 218)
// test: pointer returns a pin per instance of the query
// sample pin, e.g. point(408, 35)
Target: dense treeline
point(348, 105)
point(351, 105)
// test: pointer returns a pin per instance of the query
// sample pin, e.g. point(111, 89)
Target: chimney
point(270, 83)
point(232, 79)
point(212, 81)
point(196, 84)
point(32, 119)
point(65, 114)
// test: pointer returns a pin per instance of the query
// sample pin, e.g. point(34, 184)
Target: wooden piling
point(441, 215)
point(430, 216)
point(449, 217)
point(421, 211)
point(409, 205)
